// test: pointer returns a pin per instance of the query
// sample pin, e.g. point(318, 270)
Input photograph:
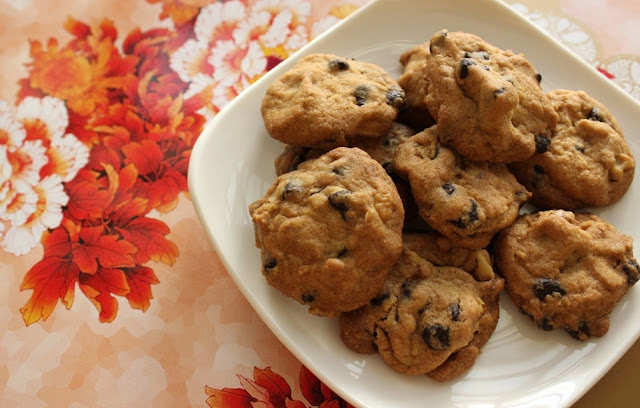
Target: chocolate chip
point(396, 97)
point(545, 286)
point(361, 94)
point(465, 63)
point(582, 333)
point(308, 298)
point(454, 311)
point(291, 189)
point(498, 92)
point(545, 324)
point(466, 220)
point(338, 65)
point(378, 300)
point(448, 188)
point(632, 270)
point(581, 149)
point(338, 171)
point(339, 201)
point(538, 173)
point(436, 336)
point(269, 262)
point(538, 77)
point(594, 114)
point(406, 289)
point(542, 143)
point(342, 252)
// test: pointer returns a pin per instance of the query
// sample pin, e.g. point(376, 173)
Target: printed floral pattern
point(269, 389)
point(101, 137)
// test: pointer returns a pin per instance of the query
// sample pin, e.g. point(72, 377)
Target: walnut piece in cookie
point(330, 230)
point(566, 270)
point(586, 162)
point(325, 100)
point(422, 315)
point(468, 202)
point(487, 102)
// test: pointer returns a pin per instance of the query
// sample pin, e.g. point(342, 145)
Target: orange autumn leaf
point(99, 287)
point(278, 388)
point(50, 279)
point(98, 249)
point(310, 386)
point(139, 280)
point(87, 197)
point(228, 398)
point(148, 235)
point(146, 156)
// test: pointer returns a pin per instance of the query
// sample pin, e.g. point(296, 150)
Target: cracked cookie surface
point(330, 230)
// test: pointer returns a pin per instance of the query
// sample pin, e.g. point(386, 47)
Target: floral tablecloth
point(111, 294)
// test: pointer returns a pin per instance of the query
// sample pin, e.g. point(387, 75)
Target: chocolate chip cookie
point(462, 361)
point(466, 201)
point(566, 270)
point(330, 230)
point(419, 319)
point(585, 162)
point(487, 102)
point(325, 100)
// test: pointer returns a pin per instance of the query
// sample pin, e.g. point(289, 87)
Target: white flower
point(233, 63)
point(5, 166)
point(50, 198)
point(12, 132)
point(48, 112)
point(216, 17)
point(17, 207)
point(323, 25)
point(68, 155)
point(26, 162)
point(187, 61)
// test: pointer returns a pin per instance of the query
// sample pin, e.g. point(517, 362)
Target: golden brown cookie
point(422, 315)
point(330, 230)
point(585, 162)
point(466, 201)
point(325, 100)
point(566, 270)
point(487, 102)
point(461, 361)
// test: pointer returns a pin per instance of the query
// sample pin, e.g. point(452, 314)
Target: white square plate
point(232, 166)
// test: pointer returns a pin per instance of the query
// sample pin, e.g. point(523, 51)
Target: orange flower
point(83, 73)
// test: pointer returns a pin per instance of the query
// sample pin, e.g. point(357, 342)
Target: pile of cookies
point(397, 205)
